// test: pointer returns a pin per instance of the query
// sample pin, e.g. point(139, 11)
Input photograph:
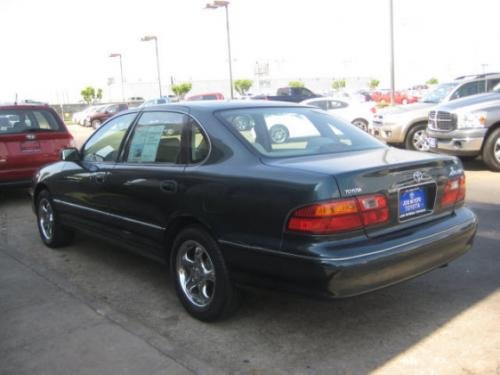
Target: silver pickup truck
point(405, 125)
point(468, 127)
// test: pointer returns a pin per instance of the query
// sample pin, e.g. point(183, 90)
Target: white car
point(79, 117)
point(356, 112)
point(156, 101)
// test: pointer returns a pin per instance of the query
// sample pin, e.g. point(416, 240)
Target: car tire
point(201, 276)
point(416, 138)
point(279, 133)
point(52, 232)
point(96, 123)
point(361, 123)
point(491, 150)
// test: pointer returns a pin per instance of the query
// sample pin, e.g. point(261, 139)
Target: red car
point(207, 96)
point(399, 97)
point(30, 137)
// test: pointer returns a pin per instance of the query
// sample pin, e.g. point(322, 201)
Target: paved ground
point(93, 308)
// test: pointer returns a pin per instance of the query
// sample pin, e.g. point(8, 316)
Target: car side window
point(198, 145)
point(157, 138)
point(322, 104)
point(492, 83)
point(104, 144)
point(336, 104)
point(470, 88)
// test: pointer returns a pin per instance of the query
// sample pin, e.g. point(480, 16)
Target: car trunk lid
point(413, 182)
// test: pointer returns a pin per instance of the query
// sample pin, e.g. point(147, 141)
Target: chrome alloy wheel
point(496, 150)
point(419, 141)
point(196, 273)
point(46, 218)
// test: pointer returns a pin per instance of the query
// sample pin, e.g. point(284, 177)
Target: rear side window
point(157, 138)
point(17, 121)
point(286, 132)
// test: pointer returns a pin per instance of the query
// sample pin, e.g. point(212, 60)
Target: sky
point(51, 49)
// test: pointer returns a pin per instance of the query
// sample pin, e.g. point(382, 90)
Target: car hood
point(471, 103)
point(407, 109)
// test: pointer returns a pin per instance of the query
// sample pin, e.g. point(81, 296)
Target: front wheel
point(361, 123)
point(96, 123)
point(491, 150)
point(52, 232)
point(201, 277)
point(416, 139)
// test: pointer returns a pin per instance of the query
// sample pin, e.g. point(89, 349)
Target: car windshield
point(15, 121)
point(288, 132)
point(439, 93)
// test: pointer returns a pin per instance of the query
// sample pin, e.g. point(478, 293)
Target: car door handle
point(168, 186)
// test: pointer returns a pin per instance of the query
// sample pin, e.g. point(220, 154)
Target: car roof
point(217, 105)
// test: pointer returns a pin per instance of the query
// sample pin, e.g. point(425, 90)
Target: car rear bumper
point(16, 184)
point(373, 264)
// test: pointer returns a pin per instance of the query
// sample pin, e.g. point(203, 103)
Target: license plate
point(432, 142)
point(412, 202)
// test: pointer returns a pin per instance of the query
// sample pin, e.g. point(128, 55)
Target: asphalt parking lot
point(447, 321)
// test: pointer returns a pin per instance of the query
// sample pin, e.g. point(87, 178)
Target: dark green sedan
point(232, 194)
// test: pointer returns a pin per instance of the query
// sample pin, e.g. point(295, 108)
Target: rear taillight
point(373, 110)
point(341, 215)
point(454, 191)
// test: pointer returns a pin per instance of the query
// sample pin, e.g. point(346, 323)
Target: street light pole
point(391, 15)
point(146, 39)
point(218, 4)
point(121, 72)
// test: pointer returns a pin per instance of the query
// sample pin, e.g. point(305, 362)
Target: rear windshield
point(15, 121)
point(285, 132)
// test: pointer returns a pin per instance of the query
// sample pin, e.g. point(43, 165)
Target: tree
point(181, 89)
point(432, 81)
point(296, 84)
point(90, 95)
point(373, 84)
point(242, 86)
point(338, 84)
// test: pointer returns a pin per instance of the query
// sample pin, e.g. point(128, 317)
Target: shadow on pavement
point(273, 330)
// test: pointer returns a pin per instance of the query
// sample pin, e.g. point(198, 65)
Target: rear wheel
point(52, 232)
point(491, 150)
point(416, 139)
point(201, 277)
point(279, 133)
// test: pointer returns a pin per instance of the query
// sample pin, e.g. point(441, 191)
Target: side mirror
point(70, 154)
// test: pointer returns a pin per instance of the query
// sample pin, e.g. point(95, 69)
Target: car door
point(146, 186)
point(82, 190)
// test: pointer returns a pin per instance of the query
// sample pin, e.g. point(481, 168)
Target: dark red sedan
point(30, 137)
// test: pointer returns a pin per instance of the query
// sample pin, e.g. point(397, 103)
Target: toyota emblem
point(418, 176)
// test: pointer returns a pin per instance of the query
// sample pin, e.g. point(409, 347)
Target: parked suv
point(406, 125)
point(95, 119)
point(468, 127)
point(30, 137)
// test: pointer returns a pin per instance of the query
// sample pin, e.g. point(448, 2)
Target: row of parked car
point(461, 118)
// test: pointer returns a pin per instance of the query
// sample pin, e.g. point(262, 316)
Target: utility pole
point(391, 16)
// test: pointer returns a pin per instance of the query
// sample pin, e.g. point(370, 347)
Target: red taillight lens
point(454, 191)
point(373, 110)
point(340, 216)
